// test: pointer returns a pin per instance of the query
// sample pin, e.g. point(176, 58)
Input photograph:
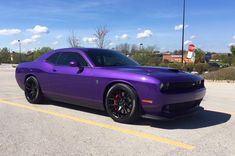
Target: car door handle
point(54, 70)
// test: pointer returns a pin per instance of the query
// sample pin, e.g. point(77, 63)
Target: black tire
point(122, 104)
point(32, 90)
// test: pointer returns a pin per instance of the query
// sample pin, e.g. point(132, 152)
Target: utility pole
point(19, 49)
point(182, 60)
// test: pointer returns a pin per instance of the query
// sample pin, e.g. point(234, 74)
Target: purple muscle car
point(110, 81)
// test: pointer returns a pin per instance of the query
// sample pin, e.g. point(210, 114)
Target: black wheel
point(32, 90)
point(121, 103)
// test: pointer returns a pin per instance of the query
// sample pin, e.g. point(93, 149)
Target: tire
point(122, 104)
point(32, 90)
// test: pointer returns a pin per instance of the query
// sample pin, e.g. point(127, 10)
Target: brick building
point(168, 57)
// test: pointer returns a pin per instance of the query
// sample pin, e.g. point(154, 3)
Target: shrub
point(188, 67)
point(200, 67)
point(222, 74)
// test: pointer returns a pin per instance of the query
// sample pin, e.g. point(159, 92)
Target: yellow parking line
point(103, 125)
point(14, 97)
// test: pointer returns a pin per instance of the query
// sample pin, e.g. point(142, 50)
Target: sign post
point(191, 52)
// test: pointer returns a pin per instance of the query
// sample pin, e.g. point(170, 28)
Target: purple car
point(110, 81)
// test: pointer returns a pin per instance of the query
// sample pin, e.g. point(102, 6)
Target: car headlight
point(164, 86)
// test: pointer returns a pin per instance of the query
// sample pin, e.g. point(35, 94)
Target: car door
point(72, 84)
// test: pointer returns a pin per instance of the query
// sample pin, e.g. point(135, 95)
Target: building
point(168, 57)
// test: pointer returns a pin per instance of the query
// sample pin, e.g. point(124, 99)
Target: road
point(61, 129)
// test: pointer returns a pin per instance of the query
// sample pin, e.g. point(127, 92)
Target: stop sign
point(191, 47)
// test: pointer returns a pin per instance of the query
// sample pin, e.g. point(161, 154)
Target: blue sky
point(210, 23)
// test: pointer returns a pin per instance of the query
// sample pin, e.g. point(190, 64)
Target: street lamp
point(182, 60)
point(19, 49)
point(141, 46)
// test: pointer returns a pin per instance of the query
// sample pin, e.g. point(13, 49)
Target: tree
point(41, 51)
point(101, 35)
point(232, 49)
point(5, 55)
point(148, 56)
point(124, 48)
point(73, 40)
point(199, 55)
point(134, 48)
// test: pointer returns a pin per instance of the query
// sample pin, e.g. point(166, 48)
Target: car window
point(53, 58)
point(67, 57)
point(102, 58)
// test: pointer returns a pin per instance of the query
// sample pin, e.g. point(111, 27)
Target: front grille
point(182, 86)
point(180, 107)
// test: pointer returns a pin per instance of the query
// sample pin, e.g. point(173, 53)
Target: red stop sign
point(191, 47)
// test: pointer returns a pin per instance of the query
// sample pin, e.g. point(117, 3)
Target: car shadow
point(202, 119)
point(75, 107)
point(205, 118)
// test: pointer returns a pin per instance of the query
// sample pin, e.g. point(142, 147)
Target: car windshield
point(104, 58)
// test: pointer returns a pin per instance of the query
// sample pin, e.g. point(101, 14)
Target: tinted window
point(67, 57)
point(102, 58)
point(53, 58)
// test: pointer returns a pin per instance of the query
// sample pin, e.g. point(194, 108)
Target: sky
point(210, 24)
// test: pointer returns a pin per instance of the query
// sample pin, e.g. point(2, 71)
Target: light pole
point(141, 46)
point(182, 60)
point(19, 49)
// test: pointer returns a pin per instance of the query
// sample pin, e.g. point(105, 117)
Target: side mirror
point(73, 64)
point(76, 64)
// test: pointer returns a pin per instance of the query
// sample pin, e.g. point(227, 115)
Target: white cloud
point(187, 42)
point(89, 39)
point(192, 37)
point(58, 37)
point(231, 44)
point(111, 44)
point(55, 43)
point(9, 31)
point(14, 42)
point(39, 29)
point(122, 37)
point(26, 41)
point(147, 33)
point(35, 37)
point(180, 27)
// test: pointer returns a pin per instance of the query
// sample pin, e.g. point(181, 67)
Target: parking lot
point(61, 129)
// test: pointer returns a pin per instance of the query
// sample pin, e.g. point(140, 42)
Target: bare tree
point(73, 40)
point(101, 36)
point(124, 48)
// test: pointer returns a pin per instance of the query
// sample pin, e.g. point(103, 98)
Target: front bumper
point(171, 105)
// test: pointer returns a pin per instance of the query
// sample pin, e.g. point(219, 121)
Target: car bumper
point(171, 105)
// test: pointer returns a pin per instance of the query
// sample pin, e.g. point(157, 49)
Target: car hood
point(161, 73)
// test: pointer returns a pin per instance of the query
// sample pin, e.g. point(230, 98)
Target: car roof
point(81, 49)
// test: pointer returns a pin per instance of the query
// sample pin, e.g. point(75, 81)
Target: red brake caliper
point(115, 104)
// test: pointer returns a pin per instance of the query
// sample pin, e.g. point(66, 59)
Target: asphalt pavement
point(55, 128)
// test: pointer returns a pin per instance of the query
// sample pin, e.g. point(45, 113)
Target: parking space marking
point(103, 125)
point(12, 98)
